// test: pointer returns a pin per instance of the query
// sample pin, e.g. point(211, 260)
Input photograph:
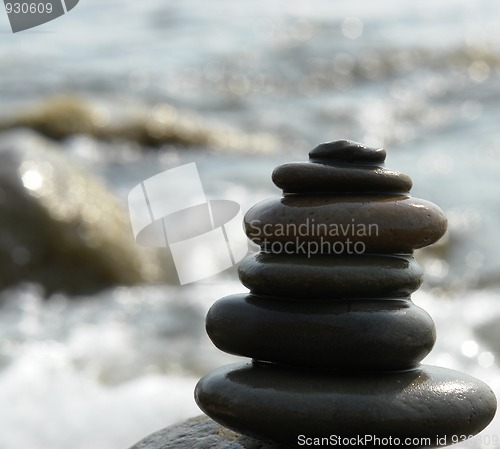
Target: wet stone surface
point(335, 339)
point(307, 177)
point(323, 277)
point(347, 151)
point(275, 402)
point(355, 334)
point(344, 225)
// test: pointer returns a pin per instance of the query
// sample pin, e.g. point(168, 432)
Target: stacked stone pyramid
point(334, 338)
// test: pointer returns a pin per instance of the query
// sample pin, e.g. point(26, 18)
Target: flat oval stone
point(347, 151)
point(343, 334)
point(274, 403)
point(330, 277)
point(307, 177)
point(348, 224)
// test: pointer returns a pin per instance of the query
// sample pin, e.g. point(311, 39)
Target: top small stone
point(347, 152)
point(341, 166)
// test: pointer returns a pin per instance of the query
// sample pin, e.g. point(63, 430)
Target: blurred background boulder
point(61, 227)
point(63, 116)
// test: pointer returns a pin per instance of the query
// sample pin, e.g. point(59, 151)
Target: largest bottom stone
point(288, 405)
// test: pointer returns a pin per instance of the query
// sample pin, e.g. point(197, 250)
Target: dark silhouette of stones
point(345, 334)
point(341, 166)
point(274, 402)
point(326, 277)
point(334, 336)
point(307, 177)
point(348, 152)
point(345, 224)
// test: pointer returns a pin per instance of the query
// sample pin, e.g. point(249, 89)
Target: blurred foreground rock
point(200, 433)
point(62, 228)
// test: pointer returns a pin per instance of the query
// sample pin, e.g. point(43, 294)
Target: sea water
point(420, 78)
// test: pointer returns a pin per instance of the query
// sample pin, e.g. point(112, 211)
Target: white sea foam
point(100, 372)
point(104, 372)
point(48, 403)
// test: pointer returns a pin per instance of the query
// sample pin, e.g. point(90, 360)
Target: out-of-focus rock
point(61, 227)
point(63, 116)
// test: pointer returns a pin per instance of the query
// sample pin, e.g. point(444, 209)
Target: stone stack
point(334, 338)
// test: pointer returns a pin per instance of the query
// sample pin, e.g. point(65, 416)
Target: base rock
point(200, 433)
